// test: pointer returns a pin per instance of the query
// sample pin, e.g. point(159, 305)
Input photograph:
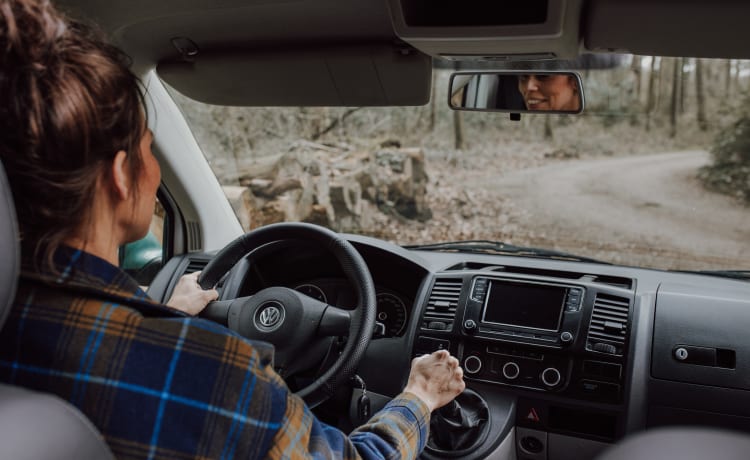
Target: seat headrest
point(10, 252)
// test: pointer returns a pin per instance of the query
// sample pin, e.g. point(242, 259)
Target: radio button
point(566, 337)
point(480, 289)
point(551, 377)
point(470, 325)
point(427, 345)
point(472, 364)
point(533, 355)
point(511, 371)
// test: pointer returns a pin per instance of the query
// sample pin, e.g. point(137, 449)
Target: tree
point(684, 83)
point(730, 170)
point(737, 69)
point(433, 102)
point(650, 102)
point(673, 106)
point(660, 84)
point(635, 66)
point(458, 130)
point(727, 78)
point(700, 95)
point(548, 135)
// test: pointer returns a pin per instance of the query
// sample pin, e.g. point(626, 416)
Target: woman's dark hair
point(68, 104)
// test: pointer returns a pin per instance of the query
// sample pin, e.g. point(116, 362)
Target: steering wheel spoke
point(335, 322)
point(291, 364)
point(218, 310)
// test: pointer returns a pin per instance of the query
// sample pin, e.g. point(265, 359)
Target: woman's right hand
point(436, 379)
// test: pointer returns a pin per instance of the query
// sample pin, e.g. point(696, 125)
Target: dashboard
point(569, 356)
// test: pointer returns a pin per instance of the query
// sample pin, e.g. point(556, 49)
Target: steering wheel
point(292, 321)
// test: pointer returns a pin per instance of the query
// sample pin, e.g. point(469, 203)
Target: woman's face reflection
point(549, 92)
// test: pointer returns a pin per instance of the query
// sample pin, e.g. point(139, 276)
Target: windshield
point(654, 173)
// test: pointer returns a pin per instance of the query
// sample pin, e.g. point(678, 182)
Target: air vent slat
point(620, 335)
point(614, 306)
point(446, 293)
point(443, 297)
point(443, 302)
point(605, 338)
point(610, 314)
point(440, 315)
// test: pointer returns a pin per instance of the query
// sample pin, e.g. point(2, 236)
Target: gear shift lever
point(460, 424)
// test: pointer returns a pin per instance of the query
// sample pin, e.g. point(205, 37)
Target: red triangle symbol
point(532, 415)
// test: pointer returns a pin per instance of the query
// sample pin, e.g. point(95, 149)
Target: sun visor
point(715, 29)
point(350, 76)
point(482, 30)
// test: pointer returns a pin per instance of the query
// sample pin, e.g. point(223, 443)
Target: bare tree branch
point(331, 126)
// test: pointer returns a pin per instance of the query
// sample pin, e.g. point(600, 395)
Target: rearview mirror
point(517, 91)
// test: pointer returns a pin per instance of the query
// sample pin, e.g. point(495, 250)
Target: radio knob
point(551, 377)
point(470, 325)
point(472, 364)
point(566, 337)
point(511, 371)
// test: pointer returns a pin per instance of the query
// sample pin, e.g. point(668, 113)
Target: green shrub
point(730, 171)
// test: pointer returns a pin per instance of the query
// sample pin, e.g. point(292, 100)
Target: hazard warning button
point(531, 414)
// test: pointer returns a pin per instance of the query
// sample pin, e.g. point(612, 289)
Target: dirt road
point(643, 210)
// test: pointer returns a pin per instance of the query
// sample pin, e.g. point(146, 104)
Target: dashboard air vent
point(194, 237)
point(608, 329)
point(442, 304)
point(195, 265)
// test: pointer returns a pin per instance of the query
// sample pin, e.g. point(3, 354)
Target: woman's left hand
point(189, 297)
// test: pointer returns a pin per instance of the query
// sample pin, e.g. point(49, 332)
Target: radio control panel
point(512, 366)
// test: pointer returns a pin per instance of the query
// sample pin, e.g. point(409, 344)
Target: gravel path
point(643, 210)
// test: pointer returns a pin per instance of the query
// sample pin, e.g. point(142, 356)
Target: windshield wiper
point(733, 274)
point(500, 248)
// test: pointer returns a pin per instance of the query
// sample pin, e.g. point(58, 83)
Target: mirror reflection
point(556, 92)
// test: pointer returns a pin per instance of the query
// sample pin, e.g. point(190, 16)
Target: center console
point(544, 316)
point(557, 341)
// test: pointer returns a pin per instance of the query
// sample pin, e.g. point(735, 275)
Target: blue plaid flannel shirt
point(160, 385)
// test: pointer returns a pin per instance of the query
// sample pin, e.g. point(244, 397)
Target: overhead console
point(482, 30)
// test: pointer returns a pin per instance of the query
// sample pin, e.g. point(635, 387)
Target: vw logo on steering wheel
point(269, 316)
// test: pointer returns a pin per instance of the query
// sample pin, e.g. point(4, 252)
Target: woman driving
point(156, 381)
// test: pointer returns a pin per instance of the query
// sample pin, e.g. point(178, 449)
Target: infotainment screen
point(536, 306)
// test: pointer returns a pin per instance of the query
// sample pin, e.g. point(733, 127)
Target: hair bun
point(29, 31)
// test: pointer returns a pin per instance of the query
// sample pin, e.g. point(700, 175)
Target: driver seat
point(33, 425)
